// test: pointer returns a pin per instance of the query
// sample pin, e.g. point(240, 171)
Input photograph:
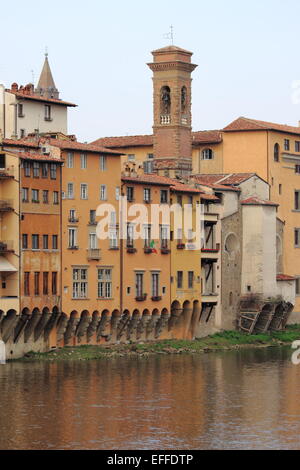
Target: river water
point(234, 400)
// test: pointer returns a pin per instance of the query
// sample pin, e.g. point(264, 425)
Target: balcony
point(165, 119)
point(7, 173)
point(180, 246)
point(94, 254)
point(6, 247)
point(148, 250)
point(157, 298)
point(141, 298)
point(73, 220)
point(164, 249)
point(211, 298)
point(6, 205)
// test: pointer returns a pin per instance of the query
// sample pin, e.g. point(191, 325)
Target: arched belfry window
point(276, 152)
point(183, 99)
point(165, 101)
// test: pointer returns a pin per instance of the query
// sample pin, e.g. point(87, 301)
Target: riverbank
point(226, 341)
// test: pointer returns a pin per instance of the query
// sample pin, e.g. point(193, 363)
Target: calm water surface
point(235, 400)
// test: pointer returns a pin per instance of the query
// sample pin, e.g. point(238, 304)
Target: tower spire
point(46, 85)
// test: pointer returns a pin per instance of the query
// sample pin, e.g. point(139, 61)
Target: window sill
point(105, 298)
point(82, 298)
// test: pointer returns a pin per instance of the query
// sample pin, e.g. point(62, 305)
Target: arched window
point(230, 299)
point(165, 102)
point(207, 154)
point(183, 99)
point(276, 152)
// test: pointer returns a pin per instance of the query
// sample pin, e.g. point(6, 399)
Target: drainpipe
point(121, 252)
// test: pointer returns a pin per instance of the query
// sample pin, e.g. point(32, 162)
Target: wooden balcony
point(7, 173)
point(6, 247)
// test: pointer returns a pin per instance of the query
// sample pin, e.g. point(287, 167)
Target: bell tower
point(172, 69)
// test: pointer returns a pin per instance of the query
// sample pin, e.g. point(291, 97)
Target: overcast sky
point(247, 52)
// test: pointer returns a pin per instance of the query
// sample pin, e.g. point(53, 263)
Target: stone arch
point(31, 324)
point(92, 328)
point(83, 324)
point(20, 327)
point(231, 245)
point(102, 331)
point(125, 318)
point(176, 311)
point(55, 310)
point(162, 322)
point(144, 320)
point(114, 322)
point(44, 311)
point(8, 324)
point(195, 318)
point(71, 326)
point(132, 324)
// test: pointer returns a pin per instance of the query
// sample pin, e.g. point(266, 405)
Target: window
point(148, 167)
point(45, 196)
point(139, 284)
point(92, 241)
point(70, 160)
point(54, 242)
point(103, 163)
point(118, 193)
point(297, 146)
point(113, 238)
point(83, 191)
point(54, 283)
point(20, 110)
point(36, 283)
point(45, 242)
point(155, 284)
point(297, 169)
point(207, 154)
point(190, 279)
point(164, 236)
point(276, 152)
point(104, 283)
point(27, 167)
point(27, 284)
point(83, 161)
point(179, 199)
point(45, 283)
point(147, 235)
point(36, 169)
point(70, 192)
point(297, 200)
point(35, 196)
point(179, 279)
point(280, 189)
point(48, 112)
point(80, 284)
point(25, 195)
point(130, 194)
point(22, 133)
point(297, 237)
point(55, 198)
point(103, 192)
point(72, 237)
point(131, 157)
point(286, 144)
point(147, 195)
point(45, 170)
point(24, 241)
point(298, 286)
point(150, 156)
point(53, 171)
point(130, 236)
point(93, 217)
point(35, 242)
point(164, 196)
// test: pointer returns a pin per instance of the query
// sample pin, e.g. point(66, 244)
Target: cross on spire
point(170, 35)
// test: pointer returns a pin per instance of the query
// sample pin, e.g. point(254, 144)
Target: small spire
point(46, 86)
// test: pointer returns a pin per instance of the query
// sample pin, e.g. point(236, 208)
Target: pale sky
point(247, 54)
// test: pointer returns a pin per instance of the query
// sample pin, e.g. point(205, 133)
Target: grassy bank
point(229, 340)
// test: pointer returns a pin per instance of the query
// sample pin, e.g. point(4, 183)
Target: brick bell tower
point(172, 69)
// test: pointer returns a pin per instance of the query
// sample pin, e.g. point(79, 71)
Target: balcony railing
point(73, 220)
point(6, 205)
point(94, 254)
point(212, 250)
point(165, 250)
point(141, 298)
point(6, 247)
point(165, 119)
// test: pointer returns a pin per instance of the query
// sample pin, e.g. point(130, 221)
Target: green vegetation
point(225, 341)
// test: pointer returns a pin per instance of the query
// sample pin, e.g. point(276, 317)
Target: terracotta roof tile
point(200, 137)
point(226, 179)
point(285, 277)
point(40, 98)
point(21, 143)
point(245, 124)
point(211, 182)
point(175, 185)
point(37, 157)
point(255, 201)
point(72, 145)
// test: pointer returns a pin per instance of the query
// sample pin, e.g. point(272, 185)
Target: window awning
point(6, 267)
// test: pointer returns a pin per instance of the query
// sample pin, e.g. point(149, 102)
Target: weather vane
point(170, 35)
